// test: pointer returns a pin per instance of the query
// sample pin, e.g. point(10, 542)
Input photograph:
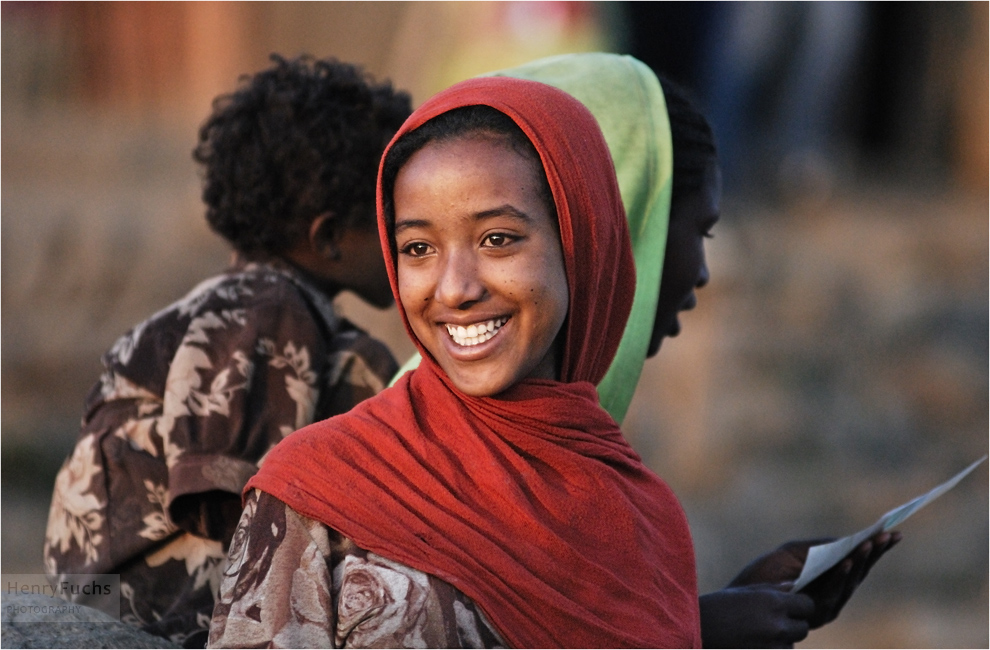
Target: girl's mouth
point(476, 333)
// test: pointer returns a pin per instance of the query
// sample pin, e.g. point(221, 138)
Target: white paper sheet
point(824, 557)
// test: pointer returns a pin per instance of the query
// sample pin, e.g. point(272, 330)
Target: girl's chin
point(473, 386)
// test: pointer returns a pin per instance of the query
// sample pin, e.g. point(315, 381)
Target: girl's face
point(480, 268)
point(692, 218)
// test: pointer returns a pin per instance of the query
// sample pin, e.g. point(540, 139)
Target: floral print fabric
point(189, 403)
point(293, 582)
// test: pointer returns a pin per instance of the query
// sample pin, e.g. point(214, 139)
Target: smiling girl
point(480, 268)
point(486, 499)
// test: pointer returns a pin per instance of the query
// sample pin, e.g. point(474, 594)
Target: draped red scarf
point(531, 503)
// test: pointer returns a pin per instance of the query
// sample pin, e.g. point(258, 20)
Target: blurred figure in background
point(778, 74)
point(193, 398)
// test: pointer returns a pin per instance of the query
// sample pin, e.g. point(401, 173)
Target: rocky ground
point(28, 622)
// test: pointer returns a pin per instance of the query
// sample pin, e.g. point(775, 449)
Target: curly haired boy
point(192, 399)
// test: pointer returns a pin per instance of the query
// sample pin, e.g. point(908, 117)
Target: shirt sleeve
point(255, 364)
point(276, 589)
point(293, 582)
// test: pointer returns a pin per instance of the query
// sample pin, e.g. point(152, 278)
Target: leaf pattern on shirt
point(124, 347)
point(204, 559)
point(130, 615)
point(157, 525)
point(114, 386)
point(140, 434)
point(76, 515)
point(301, 387)
point(182, 394)
point(348, 364)
point(244, 365)
point(216, 287)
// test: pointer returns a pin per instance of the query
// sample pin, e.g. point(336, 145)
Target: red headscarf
point(531, 502)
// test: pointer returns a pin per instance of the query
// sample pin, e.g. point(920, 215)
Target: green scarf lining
point(625, 97)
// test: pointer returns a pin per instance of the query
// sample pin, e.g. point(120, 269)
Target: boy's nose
point(703, 276)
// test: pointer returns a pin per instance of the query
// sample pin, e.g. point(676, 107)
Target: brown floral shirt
point(293, 582)
point(188, 405)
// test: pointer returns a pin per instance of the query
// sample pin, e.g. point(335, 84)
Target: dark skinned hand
point(831, 590)
point(754, 616)
point(757, 609)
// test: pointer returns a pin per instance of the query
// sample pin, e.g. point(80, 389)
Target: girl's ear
point(323, 237)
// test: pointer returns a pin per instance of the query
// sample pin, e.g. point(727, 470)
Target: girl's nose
point(459, 285)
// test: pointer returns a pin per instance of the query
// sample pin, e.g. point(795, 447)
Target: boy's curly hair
point(297, 140)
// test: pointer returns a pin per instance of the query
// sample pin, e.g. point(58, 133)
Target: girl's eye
point(709, 234)
point(496, 240)
point(416, 249)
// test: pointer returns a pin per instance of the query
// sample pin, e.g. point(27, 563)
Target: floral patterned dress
point(189, 403)
point(293, 582)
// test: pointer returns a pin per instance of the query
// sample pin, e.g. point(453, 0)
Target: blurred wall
point(836, 365)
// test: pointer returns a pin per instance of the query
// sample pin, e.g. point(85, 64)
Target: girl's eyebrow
point(506, 210)
point(410, 223)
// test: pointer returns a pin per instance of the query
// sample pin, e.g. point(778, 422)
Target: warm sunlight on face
point(480, 268)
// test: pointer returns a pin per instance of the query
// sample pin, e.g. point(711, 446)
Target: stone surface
point(25, 625)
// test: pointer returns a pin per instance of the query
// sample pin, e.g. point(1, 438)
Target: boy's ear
point(323, 236)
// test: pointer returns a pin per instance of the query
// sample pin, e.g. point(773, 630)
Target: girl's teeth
point(475, 334)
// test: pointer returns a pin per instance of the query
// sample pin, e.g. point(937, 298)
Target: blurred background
point(836, 366)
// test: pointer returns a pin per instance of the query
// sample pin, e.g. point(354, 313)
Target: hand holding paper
point(823, 557)
point(778, 569)
point(802, 585)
